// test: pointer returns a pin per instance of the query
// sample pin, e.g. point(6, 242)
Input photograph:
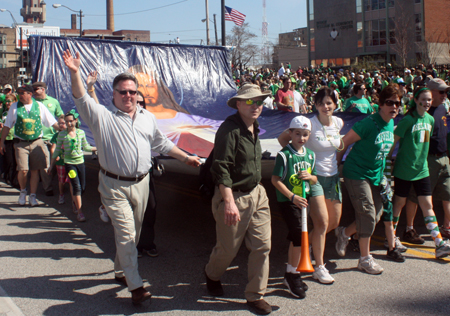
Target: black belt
point(28, 141)
point(121, 178)
point(438, 155)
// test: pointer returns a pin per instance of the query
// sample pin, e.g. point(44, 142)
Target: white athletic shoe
point(103, 215)
point(23, 197)
point(33, 201)
point(323, 275)
point(61, 199)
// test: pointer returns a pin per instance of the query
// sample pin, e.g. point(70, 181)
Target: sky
point(168, 19)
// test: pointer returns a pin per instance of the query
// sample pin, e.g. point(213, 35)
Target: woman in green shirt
point(411, 167)
point(373, 138)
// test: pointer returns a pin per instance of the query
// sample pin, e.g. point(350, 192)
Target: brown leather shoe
point(413, 237)
point(121, 280)
point(260, 307)
point(139, 295)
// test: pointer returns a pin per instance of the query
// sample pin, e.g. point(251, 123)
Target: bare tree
point(403, 26)
point(243, 50)
point(436, 48)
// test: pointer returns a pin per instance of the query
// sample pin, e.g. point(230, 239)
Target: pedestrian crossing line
point(421, 253)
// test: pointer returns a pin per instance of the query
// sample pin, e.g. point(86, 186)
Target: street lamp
point(56, 6)
point(15, 22)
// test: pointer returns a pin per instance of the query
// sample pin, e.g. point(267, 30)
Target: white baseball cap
point(301, 122)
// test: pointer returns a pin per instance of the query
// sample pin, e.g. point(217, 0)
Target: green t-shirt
point(55, 109)
point(367, 158)
point(369, 82)
point(361, 105)
point(288, 164)
point(54, 140)
point(414, 132)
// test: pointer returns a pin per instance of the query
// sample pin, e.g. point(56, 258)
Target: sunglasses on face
point(251, 102)
point(36, 89)
point(141, 103)
point(392, 103)
point(9, 101)
point(442, 92)
point(124, 92)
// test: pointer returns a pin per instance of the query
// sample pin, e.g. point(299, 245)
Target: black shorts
point(421, 187)
point(293, 217)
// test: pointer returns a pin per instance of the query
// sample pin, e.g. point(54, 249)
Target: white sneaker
point(61, 199)
point(23, 197)
point(398, 245)
point(323, 275)
point(341, 241)
point(370, 266)
point(103, 215)
point(33, 201)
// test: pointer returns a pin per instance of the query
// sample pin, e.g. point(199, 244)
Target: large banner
point(185, 87)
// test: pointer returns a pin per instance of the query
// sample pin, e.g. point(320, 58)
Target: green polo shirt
point(55, 108)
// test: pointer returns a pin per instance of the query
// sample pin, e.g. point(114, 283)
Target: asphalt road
point(52, 265)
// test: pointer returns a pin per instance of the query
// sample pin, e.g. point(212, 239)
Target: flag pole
point(224, 43)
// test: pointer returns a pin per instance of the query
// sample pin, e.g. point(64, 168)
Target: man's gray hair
point(124, 76)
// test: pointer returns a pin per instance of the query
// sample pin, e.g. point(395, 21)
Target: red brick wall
point(437, 14)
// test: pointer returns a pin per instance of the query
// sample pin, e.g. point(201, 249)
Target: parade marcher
point(63, 178)
point(240, 205)
point(70, 144)
point(40, 94)
point(438, 164)
point(411, 166)
point(326, 206)
point(123, 177)
point(294, 165)
point(363, 170)
point(28, 117)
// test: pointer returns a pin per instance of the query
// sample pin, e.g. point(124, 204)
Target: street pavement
point(50, 264)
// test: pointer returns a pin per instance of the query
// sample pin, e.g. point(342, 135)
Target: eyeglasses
point(124, 92)
point(9, 101)
point(36, 89)
point(141, 103)
point(442, 92)
point(392, 103)
point(251, 102)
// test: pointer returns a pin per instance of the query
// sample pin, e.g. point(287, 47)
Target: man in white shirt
point(299, 102)
point(27, 117)
point(281, 71)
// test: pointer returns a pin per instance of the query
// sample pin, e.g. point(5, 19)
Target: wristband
point(91, 90)
point(186, 158)
point(292, 198)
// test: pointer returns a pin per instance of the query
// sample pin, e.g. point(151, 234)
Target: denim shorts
point(331, 187)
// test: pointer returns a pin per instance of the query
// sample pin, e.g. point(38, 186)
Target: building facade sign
point(28, 30)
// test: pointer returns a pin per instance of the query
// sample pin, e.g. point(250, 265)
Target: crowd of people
point(37, 136)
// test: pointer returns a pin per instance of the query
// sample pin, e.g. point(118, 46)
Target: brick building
point(341, 32)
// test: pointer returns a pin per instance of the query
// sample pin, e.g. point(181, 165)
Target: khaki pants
point(125, 203)
point(254, 228)
point(46, 179)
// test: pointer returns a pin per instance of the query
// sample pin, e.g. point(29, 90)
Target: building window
point(370, 5)
point(391, 31)
point(359, 31)
point(311, 10)
point(312, 41)
point(391, 3)
point(375, 32)
point(418, 20)
point(358, 6)
point(417, 1)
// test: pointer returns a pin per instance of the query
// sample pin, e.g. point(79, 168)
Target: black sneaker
point(396, 255)
point(214, 287)
point(152, 252)
point(354, 243)
point(294, 283)
point(412, 237)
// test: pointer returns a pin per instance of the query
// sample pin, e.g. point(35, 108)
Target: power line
point(164, 6)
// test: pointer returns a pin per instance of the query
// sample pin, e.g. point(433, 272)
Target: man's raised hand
point(72, 63)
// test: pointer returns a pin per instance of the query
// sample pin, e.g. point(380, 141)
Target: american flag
point(233, 15)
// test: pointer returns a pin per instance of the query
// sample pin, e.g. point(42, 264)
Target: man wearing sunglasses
point(125, 135)
point(40, 94)
point(438, 164)
point(240, 205)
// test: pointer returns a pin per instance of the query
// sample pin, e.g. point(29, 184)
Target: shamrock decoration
point(74, 113)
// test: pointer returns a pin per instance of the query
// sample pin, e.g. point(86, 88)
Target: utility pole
point(207, 22)
point(222, 5)
point(21, 48)
point(215, 29)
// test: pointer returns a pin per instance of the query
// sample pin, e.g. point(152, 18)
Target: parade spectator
point(240, 205)
point(284, 98)
point(124, 180)
point(63, 178)
point(40, 94)
point(28, 117)
point(358, 103)
point(9, 157)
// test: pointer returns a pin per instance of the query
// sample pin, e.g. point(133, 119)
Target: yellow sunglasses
point(251, 102)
